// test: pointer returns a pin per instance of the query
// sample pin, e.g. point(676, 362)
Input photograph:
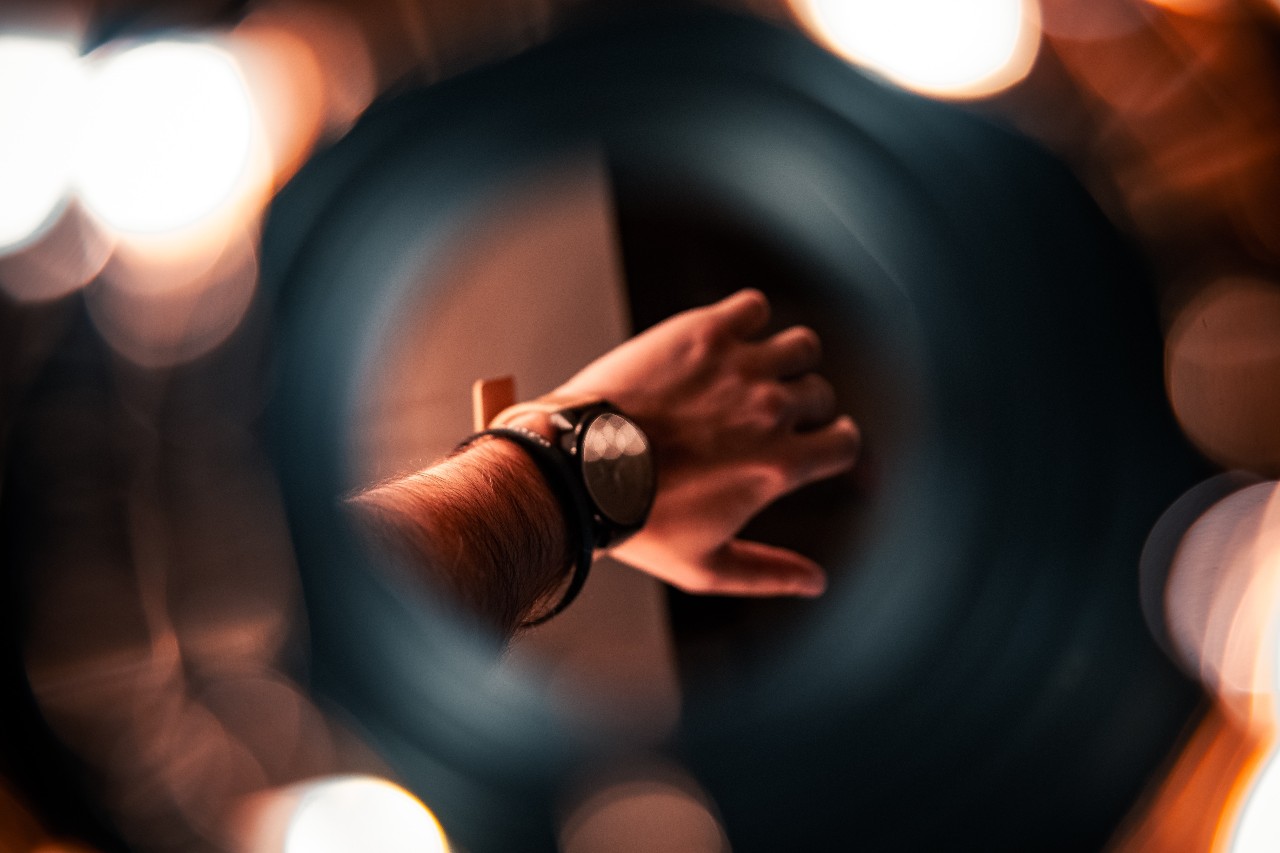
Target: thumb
point(740, 567)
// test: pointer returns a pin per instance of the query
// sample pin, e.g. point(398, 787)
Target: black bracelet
point(569, 493)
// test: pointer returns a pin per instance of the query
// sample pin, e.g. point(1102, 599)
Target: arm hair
point(482, 524)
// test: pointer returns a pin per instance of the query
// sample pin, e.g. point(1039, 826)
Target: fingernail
point(813, 588)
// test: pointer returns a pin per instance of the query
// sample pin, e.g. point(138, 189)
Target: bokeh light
point(352, 814)
point(287, 82)
point(1209, 8)
point(1076, 21)
point(66, 256)
point(173, 135)
point(41, 90)
point(309, 64)
point(170, 154)
point(948, 48)
point(635, 808)
point(1222, 369)
point(1258, 830)
point(1221, 596)
point(1221, 613)
point(159, 310)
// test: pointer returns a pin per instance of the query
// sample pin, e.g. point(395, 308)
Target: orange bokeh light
point(1222, 369)
point(158, 311)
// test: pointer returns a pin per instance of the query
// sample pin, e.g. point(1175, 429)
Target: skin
point(736, 420)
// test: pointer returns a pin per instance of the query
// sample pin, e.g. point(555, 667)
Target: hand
point(736, 422)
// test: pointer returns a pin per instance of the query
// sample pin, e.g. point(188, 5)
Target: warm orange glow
point(1222, 369)
point(66, 257)
point(652, 806)
point(1258, 828)
point(19, 830)
point(157, 660)
point(1198, 8)
point(946, 48)
point(194, 305)
point(1198, 799)
point(1076, 21)
point(288, 87)
point(1222, 605)
point(309, 51)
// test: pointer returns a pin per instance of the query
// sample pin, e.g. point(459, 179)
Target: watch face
point(617, 468)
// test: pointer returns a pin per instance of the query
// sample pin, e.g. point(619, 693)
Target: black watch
point(612, 458)
point(600, 469)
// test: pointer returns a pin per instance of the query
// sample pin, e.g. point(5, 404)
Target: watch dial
point(617, 468)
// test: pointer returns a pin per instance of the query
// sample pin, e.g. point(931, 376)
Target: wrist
point(533, 420)
point(572, 497)
point(518, 484)
point(536, 415)
point(483, 525)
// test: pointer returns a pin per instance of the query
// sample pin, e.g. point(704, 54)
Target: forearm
point(482, 524)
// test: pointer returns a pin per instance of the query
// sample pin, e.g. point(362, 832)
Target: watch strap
point(568, 492)
point(544, 406)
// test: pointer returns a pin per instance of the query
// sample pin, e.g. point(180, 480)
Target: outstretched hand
point(736, 421)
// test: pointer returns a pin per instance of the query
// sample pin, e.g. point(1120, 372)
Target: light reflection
point(161, 601)
point(948, 48)
point(635, 809)
point(1199, 8)
point(1258, 830)
point(66, 257)
point(191, 310)
point(173, 138)
point(285, 76)
point(1071, 19)
point(19, 829)
point(1222, 609)
point(1223, 595)
point(341, 814)
point(1222, 366)
point(41, 89)
point(316, 53)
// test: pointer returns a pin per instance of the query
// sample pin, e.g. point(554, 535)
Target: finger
point(789, 353)
point(754, 569)
point(813, 401)
point(822, 453)
point(744, 314)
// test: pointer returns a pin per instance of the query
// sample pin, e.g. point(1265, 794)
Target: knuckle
point(806, 342)
point(699, 346)
point(772, 480)
point(772, 403)
point(821, 389)
point(780, 479)
point(700, 582)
